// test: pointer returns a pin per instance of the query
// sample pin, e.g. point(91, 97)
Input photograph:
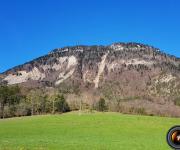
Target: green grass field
point(101, 131)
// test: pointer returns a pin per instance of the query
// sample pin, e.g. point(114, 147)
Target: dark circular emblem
point(173, 137)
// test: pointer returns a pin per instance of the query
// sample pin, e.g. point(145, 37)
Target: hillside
point(132, 77)
point(110, 131)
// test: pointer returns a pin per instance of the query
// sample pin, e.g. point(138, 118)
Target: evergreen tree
point(61, 104)
point(101, 105)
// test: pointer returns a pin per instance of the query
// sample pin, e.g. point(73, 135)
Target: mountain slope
point(131, 75)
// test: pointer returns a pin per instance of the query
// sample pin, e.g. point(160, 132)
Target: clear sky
point(32, 28)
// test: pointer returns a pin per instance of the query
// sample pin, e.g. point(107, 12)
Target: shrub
point(177, 101)
point(141, 111)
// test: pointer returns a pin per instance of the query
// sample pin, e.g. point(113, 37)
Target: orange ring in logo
point(174, 136)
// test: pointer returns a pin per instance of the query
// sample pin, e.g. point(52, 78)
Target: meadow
point(86, 131)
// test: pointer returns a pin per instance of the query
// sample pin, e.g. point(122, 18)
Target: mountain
point(130, 76)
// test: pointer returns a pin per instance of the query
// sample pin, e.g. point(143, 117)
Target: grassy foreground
point(101, 131)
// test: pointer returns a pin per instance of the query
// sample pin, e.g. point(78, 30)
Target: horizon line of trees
point(13, 103)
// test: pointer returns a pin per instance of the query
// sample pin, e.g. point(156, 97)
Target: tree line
point(14, 102)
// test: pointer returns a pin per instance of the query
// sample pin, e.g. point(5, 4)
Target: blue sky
point(31, 28)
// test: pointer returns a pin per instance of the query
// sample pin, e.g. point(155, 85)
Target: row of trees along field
point(15, 102)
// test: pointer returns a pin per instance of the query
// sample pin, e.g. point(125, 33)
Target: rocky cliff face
point(136, 74)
